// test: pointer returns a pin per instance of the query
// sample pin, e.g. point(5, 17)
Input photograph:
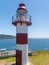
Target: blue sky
point(38, 9)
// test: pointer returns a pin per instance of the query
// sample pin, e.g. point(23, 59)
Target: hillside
point(3, 36)
point(40, 57)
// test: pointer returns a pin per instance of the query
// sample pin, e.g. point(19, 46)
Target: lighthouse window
point(22, 13)
point(18, 14)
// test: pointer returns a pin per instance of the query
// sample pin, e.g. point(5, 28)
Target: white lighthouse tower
point(21, 21)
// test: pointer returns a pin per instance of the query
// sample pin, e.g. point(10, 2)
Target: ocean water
point(33, 44)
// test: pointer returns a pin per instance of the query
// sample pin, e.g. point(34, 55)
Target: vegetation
point(40, 58)
point(9, 59)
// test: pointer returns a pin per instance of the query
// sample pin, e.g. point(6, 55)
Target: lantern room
point(21, 16)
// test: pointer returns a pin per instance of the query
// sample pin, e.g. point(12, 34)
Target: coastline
point(5, 53)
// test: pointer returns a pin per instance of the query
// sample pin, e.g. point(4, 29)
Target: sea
point(33, 44)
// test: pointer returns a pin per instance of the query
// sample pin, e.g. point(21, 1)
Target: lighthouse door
point(18, 57)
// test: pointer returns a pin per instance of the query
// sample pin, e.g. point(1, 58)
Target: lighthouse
point(21, 20)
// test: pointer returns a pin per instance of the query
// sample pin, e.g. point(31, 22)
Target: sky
point(38, 9)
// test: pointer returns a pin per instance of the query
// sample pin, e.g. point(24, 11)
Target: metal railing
point(21, 18)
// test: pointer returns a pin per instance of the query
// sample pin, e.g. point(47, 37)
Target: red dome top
point(22, 7)
point(21, 4)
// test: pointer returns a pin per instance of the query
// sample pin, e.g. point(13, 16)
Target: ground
point(7, 60)
point(3, 62)
point(38, 58)
point(30, 63)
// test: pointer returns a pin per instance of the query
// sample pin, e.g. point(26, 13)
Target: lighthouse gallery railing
point(21, 18)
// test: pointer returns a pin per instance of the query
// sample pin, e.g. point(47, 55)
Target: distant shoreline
point(3, 36)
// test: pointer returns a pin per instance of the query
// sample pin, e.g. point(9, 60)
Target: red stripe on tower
point(22, 38)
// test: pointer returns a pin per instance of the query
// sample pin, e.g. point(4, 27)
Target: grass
point(9, 59)
point(40, 58)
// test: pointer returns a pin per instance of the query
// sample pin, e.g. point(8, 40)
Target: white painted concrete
point(21, 28)
point(24, 49)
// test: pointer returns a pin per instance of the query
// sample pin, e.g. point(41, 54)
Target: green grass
point(9, 59)
point(40, 58)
